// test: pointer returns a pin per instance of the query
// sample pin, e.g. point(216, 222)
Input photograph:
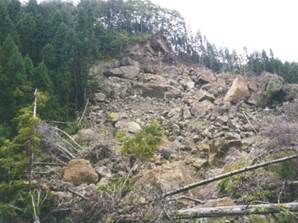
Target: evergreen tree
point(40, 78)
point(13, 80)
point(6, 25)
point(26, 28)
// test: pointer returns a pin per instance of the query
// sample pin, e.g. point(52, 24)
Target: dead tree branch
point(77, 194)
point(84, 112)
point(198, 201)
point(229, 174)
point(68, 136)
point(65, 151)
point(238, 210)
point(248, 121)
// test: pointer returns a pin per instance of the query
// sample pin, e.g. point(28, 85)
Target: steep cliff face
point(212, 123)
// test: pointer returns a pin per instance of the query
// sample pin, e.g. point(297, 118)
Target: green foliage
point(14, 161)
point(285, 170)
point(121, 136)
point(286, 216)
point(73, 127)
point(246, 187)
point(258, 219)
point(231, 184)
point(144, 143)
point(117, 186)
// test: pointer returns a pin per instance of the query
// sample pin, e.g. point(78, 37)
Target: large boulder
point(218, 148)
point(204, 76)
point(187, 83)
point(159, 44)
point(272, 83)
point(129, 72)
point(239, 91)
point(267, 89)
point(165, 178)
point(79, 171)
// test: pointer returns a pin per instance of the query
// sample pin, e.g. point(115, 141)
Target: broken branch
point(229, 174)
point(68, 136)
point(237, 210)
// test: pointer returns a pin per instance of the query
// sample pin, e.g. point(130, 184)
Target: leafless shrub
point(290, 111)
point(281, 135)
point(106, 207)
point(96, 209)
point(99, 152)
point(48, 135)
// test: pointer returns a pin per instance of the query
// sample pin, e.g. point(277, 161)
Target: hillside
point(211, 124)
point(113, 111)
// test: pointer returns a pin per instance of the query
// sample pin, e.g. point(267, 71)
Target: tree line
point(51, 45)
point(221, 59)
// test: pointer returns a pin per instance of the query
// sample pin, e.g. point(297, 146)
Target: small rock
point(187, 83)
point(199, 163)
point(86, 135)
point(186, 113)
point(103, 171)
point(128, 126)
point(201, 108)
point(116, 116)
point(100, 97)
point(206, 96)
point(222, 119)
point(166, 153)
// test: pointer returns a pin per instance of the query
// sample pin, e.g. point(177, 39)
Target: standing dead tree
point(31, 163)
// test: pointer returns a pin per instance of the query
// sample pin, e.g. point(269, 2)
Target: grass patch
point(144, 143)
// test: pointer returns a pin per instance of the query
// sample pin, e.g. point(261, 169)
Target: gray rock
point(204, 95)
point(272, 83)
point(86, 135)
point(100, 97)
point(128, 126)
point(186, 113)
point(103, 171)
point(238, 91)
point(202, 108)
point(129, 72)
point(187, 83)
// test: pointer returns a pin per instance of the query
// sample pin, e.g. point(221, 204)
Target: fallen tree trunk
point(238, 210)
point(229, 174)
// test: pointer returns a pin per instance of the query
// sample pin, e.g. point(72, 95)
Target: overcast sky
point(255, 24)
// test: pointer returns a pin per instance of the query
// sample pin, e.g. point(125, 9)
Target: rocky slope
point(213, 123)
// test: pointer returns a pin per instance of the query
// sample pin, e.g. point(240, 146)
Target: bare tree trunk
point(229, 174)
point(35, 214)
point(31, 154)
point(238, 210)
